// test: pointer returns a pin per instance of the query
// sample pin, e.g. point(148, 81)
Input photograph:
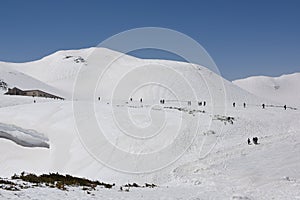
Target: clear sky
point(244, 37)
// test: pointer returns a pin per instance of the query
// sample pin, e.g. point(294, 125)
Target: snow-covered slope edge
point(284, 89)
point(23, 137)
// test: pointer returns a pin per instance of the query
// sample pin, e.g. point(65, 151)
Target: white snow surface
point(284, 89)
point(218, 163)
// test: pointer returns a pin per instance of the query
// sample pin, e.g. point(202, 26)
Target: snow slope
point(283, 89)
point(206, 144)
point(231, 169)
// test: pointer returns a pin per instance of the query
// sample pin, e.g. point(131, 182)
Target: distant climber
point(34, 101)
point(255, 140)
point(249, 141)
point(99, 98)
point(284, 107)
point(189, 103)
point(244, 105)
point(130, 99)
point(204, 103)
point(233, 104)
point(141, 100)
point(200, 103)
point(263, 106)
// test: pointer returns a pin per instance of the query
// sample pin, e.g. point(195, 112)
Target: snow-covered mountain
point(284, 89)
point(195, 151)
point(60, 71)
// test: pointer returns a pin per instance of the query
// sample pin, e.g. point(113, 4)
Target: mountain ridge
point(283, 89)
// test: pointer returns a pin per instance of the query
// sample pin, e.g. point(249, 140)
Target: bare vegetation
point(60, 181)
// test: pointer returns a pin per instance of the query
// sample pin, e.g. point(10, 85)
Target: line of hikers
point(200, 103)
point(263, 105)
point(254, 139)
point(285, 107)
point(189, 103)
point(233, 104)
point(141, 99)
point(162, 101)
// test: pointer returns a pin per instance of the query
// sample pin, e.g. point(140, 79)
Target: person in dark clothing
point(249, 141)
point(99, 98)
point(204, 103)
point(200, 103)
point(244, 105)
point(255, 140)
point(263, 106)
point(130, 99)
point(233, 104)
point(189, 103)
point(284, 107)
point(141, 100)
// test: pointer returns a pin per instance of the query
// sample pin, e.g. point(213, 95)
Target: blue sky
point(243, 37)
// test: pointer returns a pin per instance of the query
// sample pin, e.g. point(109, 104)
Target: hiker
point(233, 104)
point(131, 99)
point(189, 103)
point(263, 106)
point(34, 101)
point(141, 100)
point(244, 105)
point(255, 140)
point(200, 103)
point(204, 103)
point(163, 101)
point(99, 98)
point(249, 141)
point(284, 107)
